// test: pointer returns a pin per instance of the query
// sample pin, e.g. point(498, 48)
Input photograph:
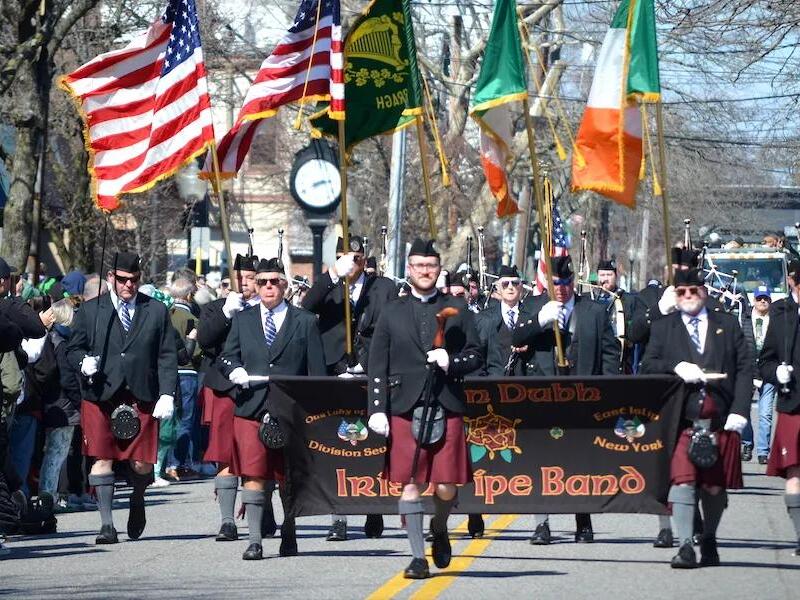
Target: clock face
point(317, 183)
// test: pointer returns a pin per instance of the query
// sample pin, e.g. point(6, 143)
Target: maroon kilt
point(446, 461)
point(218, 415)
point(100, 443)
point(785, 451)
point(726, 472)
point(250, 458)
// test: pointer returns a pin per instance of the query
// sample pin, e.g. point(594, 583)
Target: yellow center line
point(433, 587)
point(398, 583)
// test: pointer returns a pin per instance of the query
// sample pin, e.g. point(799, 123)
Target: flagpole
point(423, 159)
point(348, 333)
point(223, 216)
point(537, 194)
point(662, 163)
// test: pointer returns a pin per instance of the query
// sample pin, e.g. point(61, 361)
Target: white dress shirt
point(702, 326)
point(115, 300)
point(278, 316)
point(505, 309)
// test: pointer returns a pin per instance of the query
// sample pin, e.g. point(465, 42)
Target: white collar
point(702, 315)
point(505, 308)
point(423, 297)
point(115, 300)
point(278, 309)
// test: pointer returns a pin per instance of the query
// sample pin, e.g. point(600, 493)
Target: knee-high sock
point(253, 501)
point(140, 482)
point(104, 487)
point(226, 487)
point(713, 507)
point(793, 506)
point(682, 498)
point(413, 511)
point(663, 522)
point(442, 508)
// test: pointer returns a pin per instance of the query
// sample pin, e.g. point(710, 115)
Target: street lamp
point(192, 191)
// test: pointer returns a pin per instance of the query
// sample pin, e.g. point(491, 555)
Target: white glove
point(735, 423)
point(233, 304)
point(440, 357)
point(379, 424)
point(240, 377)
point(164, 407)
point(690, 372)
point(784, 373)
point(344, 266)
point(758, 383)
point(89, 365)
point(356, 370)
point(549, 313)
point(669, 301)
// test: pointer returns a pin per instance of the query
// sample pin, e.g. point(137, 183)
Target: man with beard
point(272, 338)
point(125, 345)
point(621, 307)
point(693, 342)
point(368, 296)
point(404, 370)
point(218, 395)
point(589, 347)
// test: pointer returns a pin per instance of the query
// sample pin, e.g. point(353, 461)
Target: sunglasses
point(687, 291)
point(513, 282)
point(225, 284)
point(272, 281)
point(123, 280)
point(562, 281)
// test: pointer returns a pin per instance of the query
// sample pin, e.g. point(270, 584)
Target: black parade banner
point(537, 445)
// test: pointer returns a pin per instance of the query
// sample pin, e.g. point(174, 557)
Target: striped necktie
point(695, 334)
point(512, 319)
point(562, 318)
point(269, 328)
point(125, 316)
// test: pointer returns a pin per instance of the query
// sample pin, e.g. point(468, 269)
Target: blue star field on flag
point(307, 14)
point(185, 36)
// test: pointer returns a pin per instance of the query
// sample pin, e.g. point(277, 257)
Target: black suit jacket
point(725, 351)
point(145, 360)
point(489, 323)
point(780, 345)
point(594, 349)
point(212, 331)
point(297, 350)
point(398, 359)
point(326, 299)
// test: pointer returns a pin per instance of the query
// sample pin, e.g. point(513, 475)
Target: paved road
point(178, 558)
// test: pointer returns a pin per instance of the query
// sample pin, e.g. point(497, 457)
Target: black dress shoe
point(107, 535)
point(541, 537)
point(584, 535)
point(685, 558)
point(373, 526)
point(441, 551)
point(697, 538)
point(253, 552)
point(228, 533)
point(763, 459)
point(136, 517)
point(418, 569)
point(288, 547)
point(664, 539)
point(268, 524)
point(475, 526)
point(747, 453)
point(709, 557)
point(338, 531)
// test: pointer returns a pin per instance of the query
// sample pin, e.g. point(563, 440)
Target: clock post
point(317, 227)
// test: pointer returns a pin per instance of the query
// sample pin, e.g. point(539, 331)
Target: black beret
point(562, 267)
point(607, 265)
point(356, 245)
point(245, 263)
point(126, 261)
point(688, 277)
point(372, 263)
point(423, 248)
point(506, 271)
point(273, 265)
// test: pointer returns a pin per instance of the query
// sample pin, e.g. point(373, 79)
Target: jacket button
point(122, 354)
point(271, 365)
point(376, 403)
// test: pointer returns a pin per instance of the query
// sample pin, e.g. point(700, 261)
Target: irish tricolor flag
point(501, 80)
point(608, 149)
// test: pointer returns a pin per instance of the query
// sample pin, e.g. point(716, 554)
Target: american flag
point(300, 67)
point(146, 107)
point(560, 248)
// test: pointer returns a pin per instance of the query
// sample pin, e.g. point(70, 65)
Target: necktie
point(511, 319)
point(562, 318)
point(759, 333)
point(269, 328)
point(695, 334)
point(352, 292)
point(125, 316)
